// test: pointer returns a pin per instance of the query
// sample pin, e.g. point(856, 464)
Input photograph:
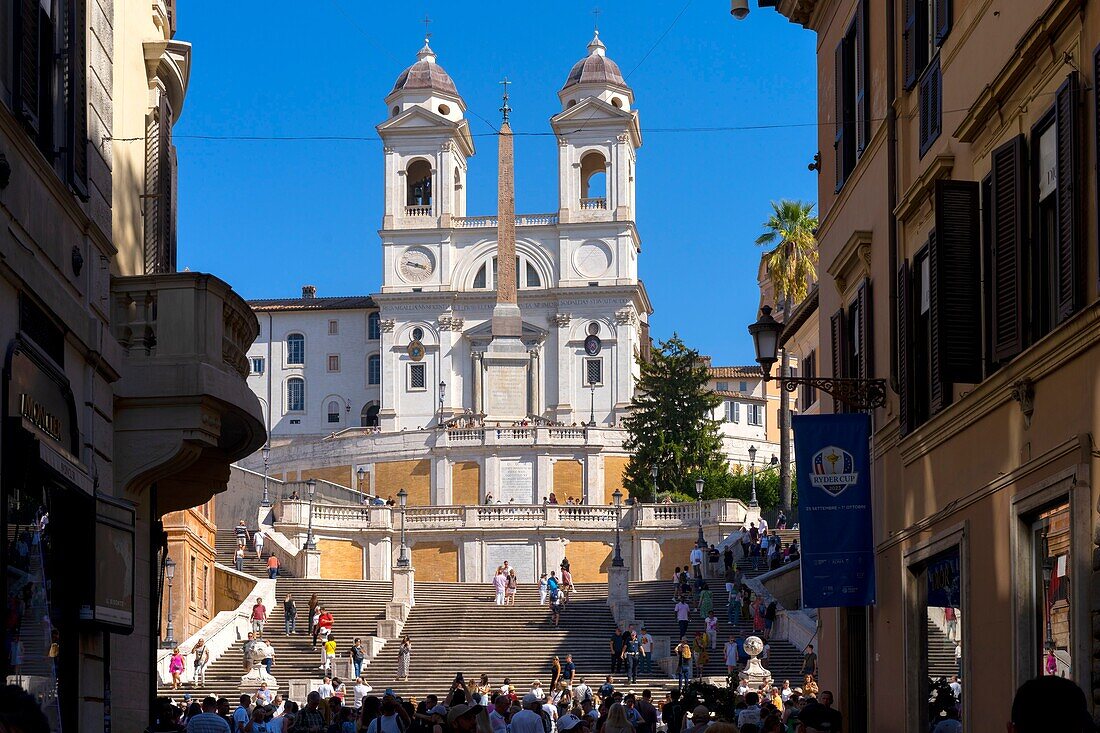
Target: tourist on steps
point(290, 615)
point(543, 590)
point(500, 585)
point(404, 658)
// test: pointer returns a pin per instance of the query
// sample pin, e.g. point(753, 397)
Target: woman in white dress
point(731, 655)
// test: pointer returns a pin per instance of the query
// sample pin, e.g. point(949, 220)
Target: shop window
point(1051, 552)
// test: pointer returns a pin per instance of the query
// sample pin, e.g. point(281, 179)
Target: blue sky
point(269, 216)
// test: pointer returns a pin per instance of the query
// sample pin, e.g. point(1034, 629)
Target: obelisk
point(506, 360)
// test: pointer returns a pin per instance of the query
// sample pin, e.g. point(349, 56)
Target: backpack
point(554, 593)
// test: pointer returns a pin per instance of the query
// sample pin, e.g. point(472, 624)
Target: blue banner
point(834, 509)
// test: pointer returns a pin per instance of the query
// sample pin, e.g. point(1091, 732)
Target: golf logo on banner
point(834, 499)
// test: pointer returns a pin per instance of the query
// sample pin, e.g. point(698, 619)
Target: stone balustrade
point(591, 204)
point(522, 220)
point(418, 211)
point(293, 515)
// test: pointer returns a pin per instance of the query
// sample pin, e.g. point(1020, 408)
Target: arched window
point(295, 394)
point(333, 411)
point(368, 418)
point(418, 178)
point(593, 180)
point(460, 209)
point(373, 326)
point(480, 280)
point(374, 369)
point(533, 279)
point(295, 349)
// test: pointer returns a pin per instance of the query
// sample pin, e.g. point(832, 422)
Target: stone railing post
point(312, 563)
point(404, 586)
point(618, 595)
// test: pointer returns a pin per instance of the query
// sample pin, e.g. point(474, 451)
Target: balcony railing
point(522, 220)
point(295, 514)
point(418, 210)
point(593, 203)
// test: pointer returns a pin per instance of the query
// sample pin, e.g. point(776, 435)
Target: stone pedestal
point(313, 563)
point(754, 675)
point(505, 389)
point(257, 675)
point(618, 595)
point(404, 586)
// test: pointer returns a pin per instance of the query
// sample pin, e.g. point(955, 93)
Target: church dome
point(425, 74)
point(595, 68)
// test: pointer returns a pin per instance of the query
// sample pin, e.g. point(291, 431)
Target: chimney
point(309, 291)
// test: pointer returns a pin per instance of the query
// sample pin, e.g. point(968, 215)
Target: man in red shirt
point(259, 615)
point(324, 624)
point(272, 566)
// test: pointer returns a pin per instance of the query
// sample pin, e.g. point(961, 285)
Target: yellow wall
point(341, 559)
point(230, 590)
point(589, 561)
point(413, 476)
point(435, 562)
point(674, 552)
point(341, 475)
point(568, 480)
point(466, 483)
point(613, 469)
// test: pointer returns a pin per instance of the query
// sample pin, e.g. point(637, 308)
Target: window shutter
point(865, 325)
point(27, 71)
point(1068, 285)
point(905, 332)
point(160, 229)
point(909, 42)
point(863, 97)
point(943, 11)
point(939, 394)
point(840, 348)
point(1007, 247)
point(959, 277)
point(76, 88)
point(838, 90)
point(930, 96)
point(1096, 127)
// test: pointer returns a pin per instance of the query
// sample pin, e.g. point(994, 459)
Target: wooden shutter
point(860, 45)
point(930, 96)
point(939, 394)
point(76, 90)
point(1006, 249)
point(909, 42)
point(27, 62)
point(160, 228)
point(838, 90)
point(865, 324)
point(840, 351)
point(942, 12)
point(905, 333)
point(1096, 128)
point(959, 278)
point(1068, 283)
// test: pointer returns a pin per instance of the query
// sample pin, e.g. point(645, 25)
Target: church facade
point(405, 389)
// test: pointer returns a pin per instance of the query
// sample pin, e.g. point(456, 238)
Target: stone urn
point(754, 674)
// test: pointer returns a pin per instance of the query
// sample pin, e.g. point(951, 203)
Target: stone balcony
point(183, 410)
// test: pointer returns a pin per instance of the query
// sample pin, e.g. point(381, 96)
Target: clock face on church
point(416, 265)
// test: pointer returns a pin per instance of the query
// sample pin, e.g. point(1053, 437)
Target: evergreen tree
point(671, 424)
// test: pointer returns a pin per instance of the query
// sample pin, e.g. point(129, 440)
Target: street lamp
point(752, 470)
point(853, 393)
point(701, 542)
point(653, 473)
point(266, 453)
point(311, 486)
point(442, 393)
point(617, 561)
point(592, 408)
point(169, 572)
point(1048, 573)
point(403, 555)
point(361, 473)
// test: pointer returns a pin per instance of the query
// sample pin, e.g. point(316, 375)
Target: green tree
point(791, 231)
point(671, 424)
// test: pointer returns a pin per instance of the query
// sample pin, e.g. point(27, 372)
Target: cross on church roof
point(505, 109)
point(596, 12)
point(427, 23)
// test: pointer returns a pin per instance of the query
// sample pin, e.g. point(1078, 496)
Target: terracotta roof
point(736, 372)
point(350, 302)
point(426, 74)
point(595, 68)
point(741, 395)
point(799, 316)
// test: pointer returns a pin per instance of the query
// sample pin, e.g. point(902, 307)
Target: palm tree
point(792, 266)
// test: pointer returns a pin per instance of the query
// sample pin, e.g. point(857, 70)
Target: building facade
point(124, 390)
point(190, 536)
point(958, 241)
